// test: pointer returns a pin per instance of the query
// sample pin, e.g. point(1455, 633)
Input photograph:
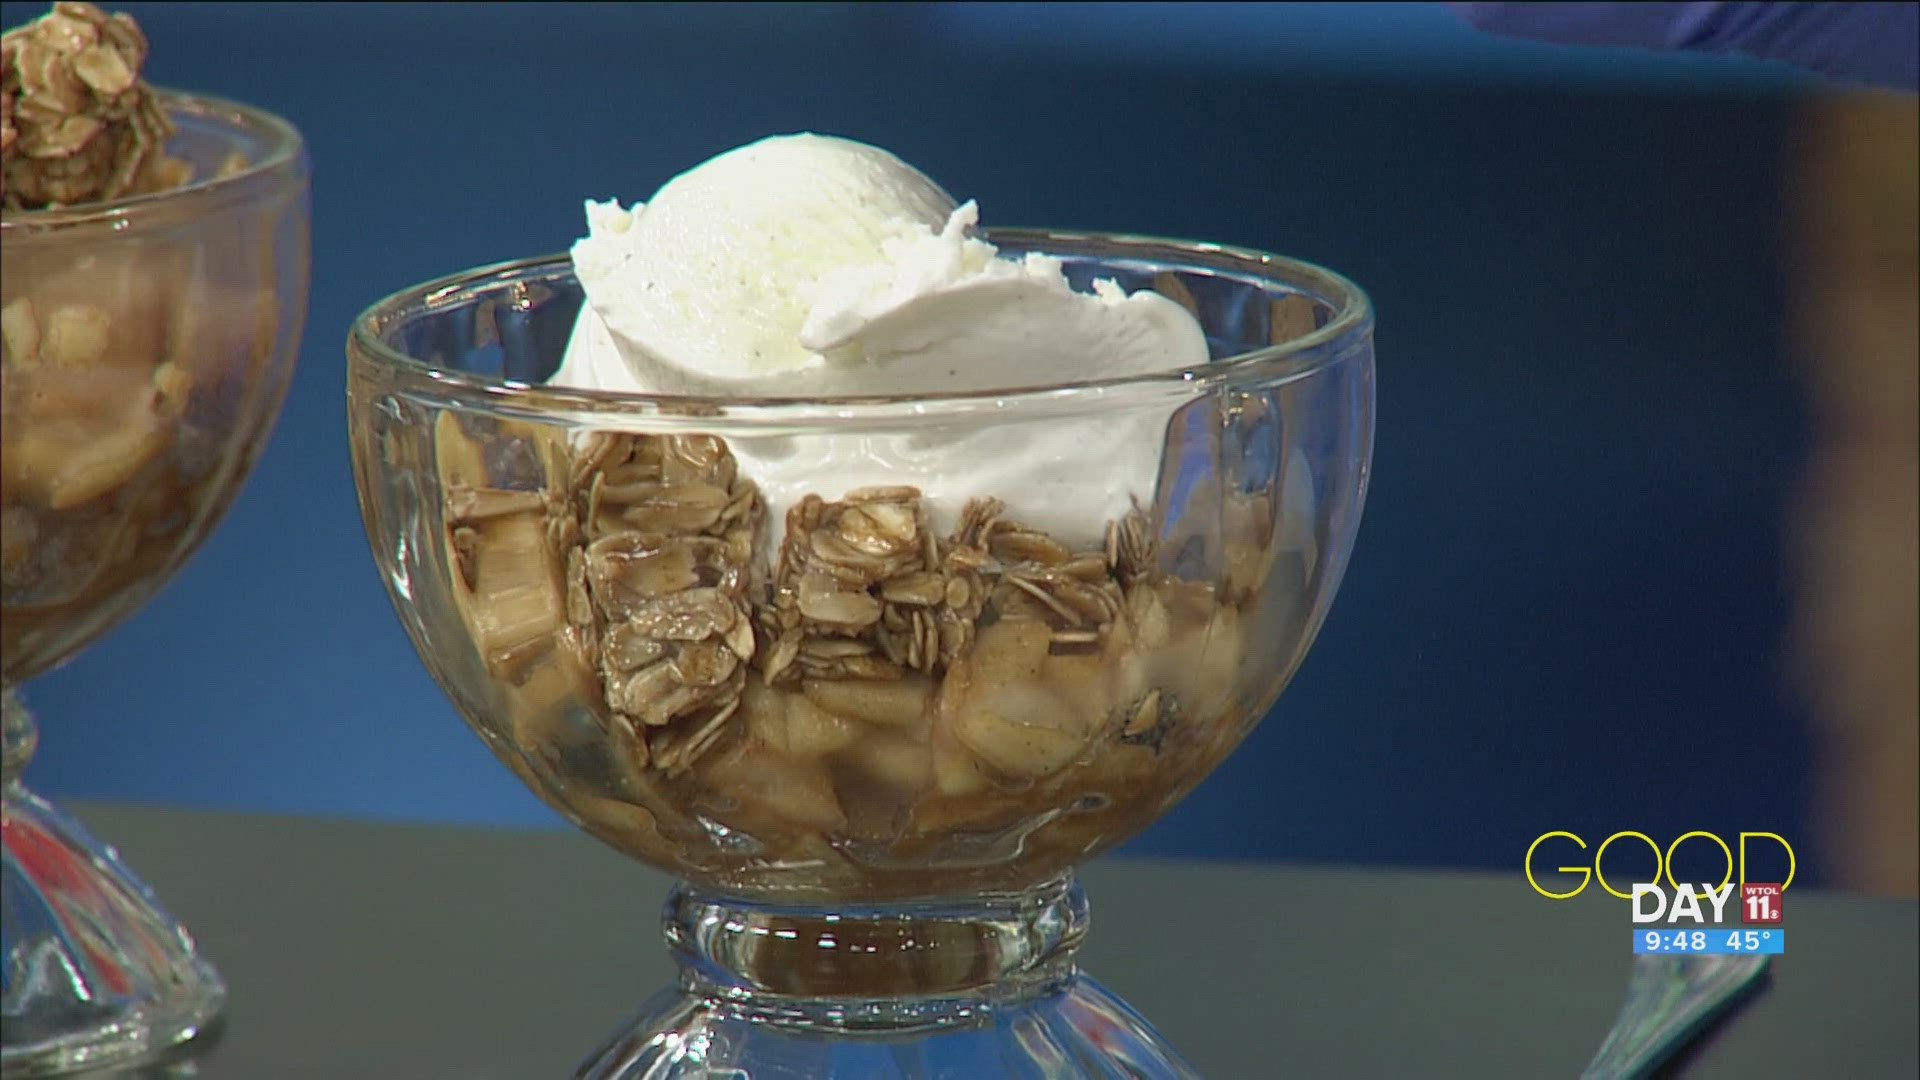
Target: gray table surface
point(374, 950)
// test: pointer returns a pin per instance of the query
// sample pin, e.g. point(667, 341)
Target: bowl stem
point(968, 986)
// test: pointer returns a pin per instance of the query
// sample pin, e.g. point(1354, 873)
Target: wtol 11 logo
point(1687, 918)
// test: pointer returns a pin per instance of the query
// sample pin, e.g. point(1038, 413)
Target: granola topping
point(866, 692)
point(77, 122)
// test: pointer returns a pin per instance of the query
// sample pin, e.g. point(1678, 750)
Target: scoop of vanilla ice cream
point(714, 276)
point(805, 265)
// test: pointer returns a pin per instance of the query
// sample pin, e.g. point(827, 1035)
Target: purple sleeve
point(1871, 43)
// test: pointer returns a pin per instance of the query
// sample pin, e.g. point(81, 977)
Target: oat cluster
point(657, 574)
point(865, 589)
point(77, 122)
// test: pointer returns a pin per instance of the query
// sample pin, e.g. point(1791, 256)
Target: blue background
point(1568, 604)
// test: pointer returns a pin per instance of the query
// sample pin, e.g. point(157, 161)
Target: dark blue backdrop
point(1567, 606)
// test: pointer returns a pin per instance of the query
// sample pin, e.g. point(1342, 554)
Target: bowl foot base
point(1079, 1030)
point(96, 974)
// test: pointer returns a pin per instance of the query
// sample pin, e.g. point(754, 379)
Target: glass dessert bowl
point(148, 345)
point(872, 730)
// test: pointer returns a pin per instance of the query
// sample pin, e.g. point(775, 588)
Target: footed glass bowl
point(870, 675)
point(147, 347)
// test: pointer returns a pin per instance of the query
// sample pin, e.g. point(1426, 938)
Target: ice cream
point(807, 265)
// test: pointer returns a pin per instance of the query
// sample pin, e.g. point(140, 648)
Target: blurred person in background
point(1854, 288)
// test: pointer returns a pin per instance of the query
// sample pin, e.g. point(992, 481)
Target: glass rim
point(1280, 362)
point(285, 148)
